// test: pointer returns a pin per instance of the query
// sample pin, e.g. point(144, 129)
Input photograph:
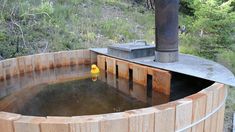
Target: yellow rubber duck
point(94, 69)
point(94, 72)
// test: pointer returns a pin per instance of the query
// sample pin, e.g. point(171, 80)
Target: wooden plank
point(111, 65)
point(51, 60)
point(141, 120)
point(165, 118)
point(6, 121)
point(123, 69)
point(215, 104)
point(37, 62)
point(161, 80)
point(58, 60)
point(115, 122)
point(183, 116)
point(65, 58)
point(87, 57)
point(93, 57)
point(199, 110)
point(220, 120)
point(10, 67)
point(140, 74)
point(56, 124)
point(2, 76)
point(29, 65)
point(79, 57)
point(21, 64)
point(101, 60)
point(72, 58)
point(44, 61)
point(209, 105)
point(86, 123)
point(28, 124)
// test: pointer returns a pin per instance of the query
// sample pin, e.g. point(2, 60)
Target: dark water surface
point(71, 92)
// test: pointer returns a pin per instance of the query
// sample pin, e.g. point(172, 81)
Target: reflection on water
point(71, 91)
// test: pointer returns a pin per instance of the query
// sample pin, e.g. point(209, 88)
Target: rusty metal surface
point(187, 64)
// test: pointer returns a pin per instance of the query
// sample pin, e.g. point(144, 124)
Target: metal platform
point(187, 64)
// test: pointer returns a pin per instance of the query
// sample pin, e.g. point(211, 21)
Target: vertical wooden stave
point(140, 74)
point(111, 65)
point(115, 122)
point(56, 124)
point(6, 121)
point(28, 124)
point(199, 110)
point(163, 124)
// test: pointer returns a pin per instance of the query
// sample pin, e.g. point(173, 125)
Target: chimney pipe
point(166, 25)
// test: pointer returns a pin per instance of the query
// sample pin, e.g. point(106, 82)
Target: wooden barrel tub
point(200, 112)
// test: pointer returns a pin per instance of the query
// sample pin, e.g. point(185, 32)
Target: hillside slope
point(31, 26)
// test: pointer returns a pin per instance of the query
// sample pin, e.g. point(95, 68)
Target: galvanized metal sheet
point(187, 64)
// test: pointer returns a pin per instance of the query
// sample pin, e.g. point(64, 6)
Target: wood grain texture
point(10, 67)
point(86, 123)
point(140, 74)
point(115, 122)
point(28, 124)
point(161, 80)
point(51, 60)
point(56, 124)
point(37, 61)
point(6, 121)
point(165, 118)
point(215, 104)
point(101, 60)
point(65, 58)
point(2, 76)
point(199, 110)
point(58, 59)
point(220, 118)
point(79, 57)
point(87, 56)
point(21, 65)
point(209, 105)
point(123, 69)
point(93, 57)
point(111, 65)
point(141, 120)
point(183, 117)
point(29, 65)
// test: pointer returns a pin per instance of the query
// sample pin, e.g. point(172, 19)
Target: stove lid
point(136, 45)
point(187, 64)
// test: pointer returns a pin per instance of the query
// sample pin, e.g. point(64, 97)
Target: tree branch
point(22, 33)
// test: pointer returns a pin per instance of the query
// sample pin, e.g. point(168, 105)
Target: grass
point(69, 25)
